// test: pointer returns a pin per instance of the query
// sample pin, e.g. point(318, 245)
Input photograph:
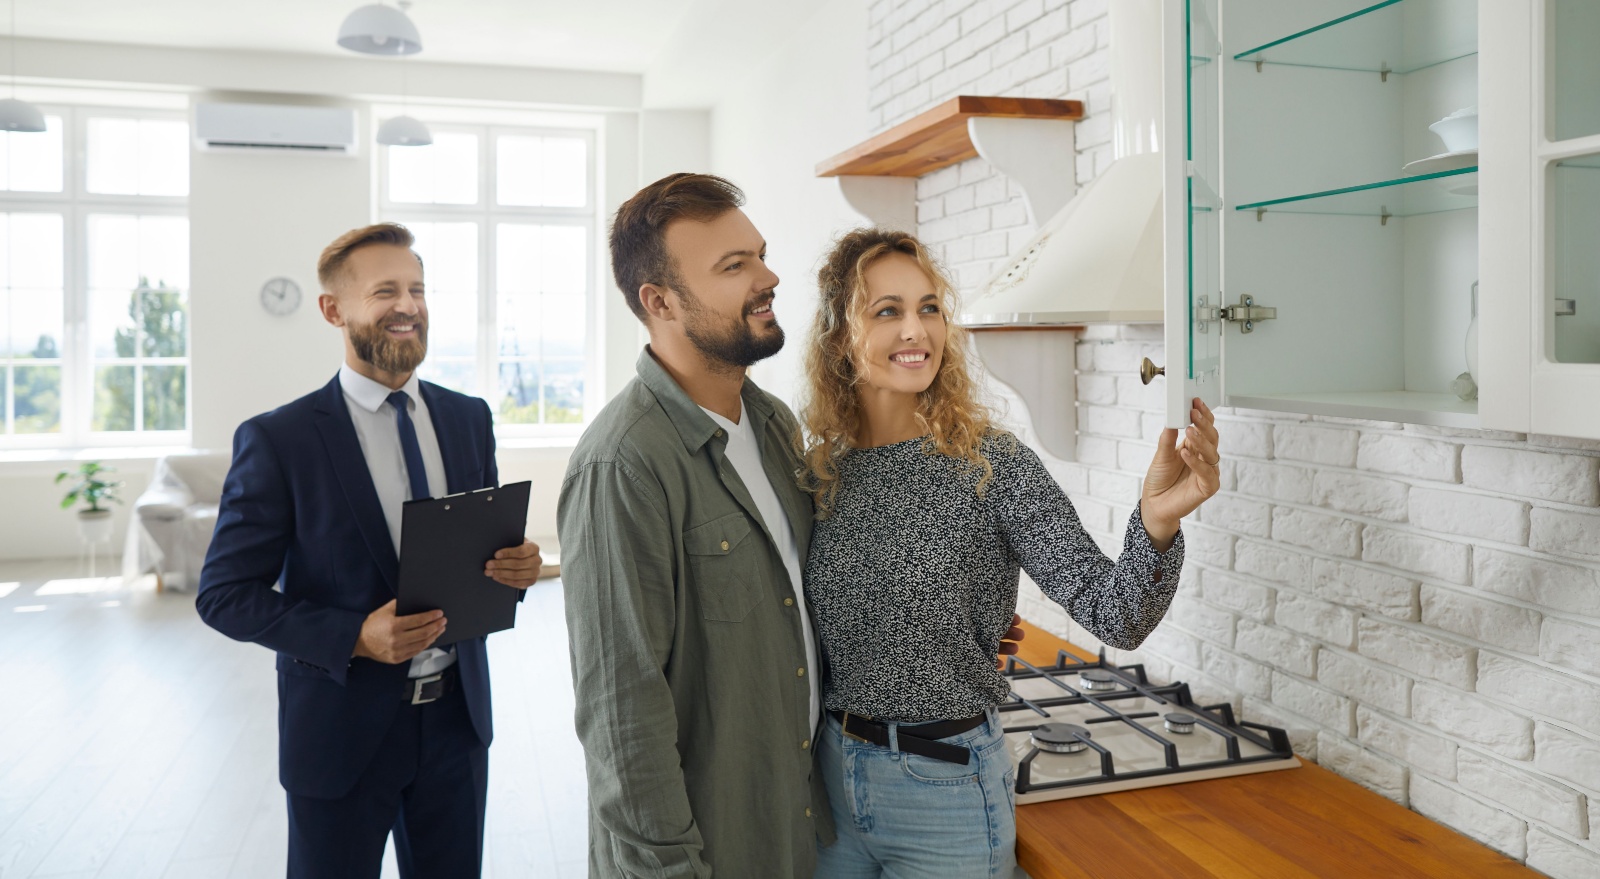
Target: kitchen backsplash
point(1420, 607)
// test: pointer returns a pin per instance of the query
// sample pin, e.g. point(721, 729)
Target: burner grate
point(1100, 688)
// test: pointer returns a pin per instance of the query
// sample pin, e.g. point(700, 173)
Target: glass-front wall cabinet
point(1330, 241)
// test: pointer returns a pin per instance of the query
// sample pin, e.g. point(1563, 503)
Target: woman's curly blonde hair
point(949, 410)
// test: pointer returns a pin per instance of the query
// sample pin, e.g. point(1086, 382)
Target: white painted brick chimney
point(1420, 607)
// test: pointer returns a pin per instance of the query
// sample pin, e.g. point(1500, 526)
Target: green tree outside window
point(160, 329)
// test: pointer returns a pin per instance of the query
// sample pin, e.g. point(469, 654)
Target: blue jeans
point(904, 816)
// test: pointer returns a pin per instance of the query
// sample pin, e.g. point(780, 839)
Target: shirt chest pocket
point(725, 564)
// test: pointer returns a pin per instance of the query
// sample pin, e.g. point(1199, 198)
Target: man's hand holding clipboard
point(465, 555)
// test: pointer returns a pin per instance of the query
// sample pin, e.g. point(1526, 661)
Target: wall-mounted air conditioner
point(275, 127)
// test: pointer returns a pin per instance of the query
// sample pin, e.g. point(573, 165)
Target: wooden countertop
point(1289, 824)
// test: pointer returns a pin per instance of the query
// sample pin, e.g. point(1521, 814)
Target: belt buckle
point(417, 685)
point(844, 727)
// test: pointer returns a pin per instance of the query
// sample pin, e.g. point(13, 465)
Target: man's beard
point(729, 342)
point(374, 345)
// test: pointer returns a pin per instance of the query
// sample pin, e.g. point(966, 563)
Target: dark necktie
point(409, 446)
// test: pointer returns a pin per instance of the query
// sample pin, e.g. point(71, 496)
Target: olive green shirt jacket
point(688, 653)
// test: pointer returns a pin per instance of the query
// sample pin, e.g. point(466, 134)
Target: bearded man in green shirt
point(683, 533)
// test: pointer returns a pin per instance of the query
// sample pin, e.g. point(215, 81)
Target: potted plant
point(94, 523)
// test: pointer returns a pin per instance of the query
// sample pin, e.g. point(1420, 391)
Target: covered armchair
point(173, 520)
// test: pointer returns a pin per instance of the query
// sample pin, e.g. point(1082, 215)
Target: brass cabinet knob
point(1148, 371)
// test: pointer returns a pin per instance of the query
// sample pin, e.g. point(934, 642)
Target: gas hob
point(1076, 728)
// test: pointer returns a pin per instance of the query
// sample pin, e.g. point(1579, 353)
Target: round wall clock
point(280, 296)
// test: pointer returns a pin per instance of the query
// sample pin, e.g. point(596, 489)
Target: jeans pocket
point(938, 772)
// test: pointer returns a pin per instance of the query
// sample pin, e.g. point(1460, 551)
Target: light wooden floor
point(137, 743)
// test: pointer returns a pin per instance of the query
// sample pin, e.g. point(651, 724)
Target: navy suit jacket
point(299, 509)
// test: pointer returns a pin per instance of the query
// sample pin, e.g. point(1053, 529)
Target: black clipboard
point(444, 544)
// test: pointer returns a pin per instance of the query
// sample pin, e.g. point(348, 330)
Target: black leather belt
point(430, 688)
point(917, 739)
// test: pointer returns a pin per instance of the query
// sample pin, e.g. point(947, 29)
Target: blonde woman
point(925, 513)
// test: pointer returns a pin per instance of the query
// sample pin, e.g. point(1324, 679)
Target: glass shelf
point(1402, 197)
point(1395, 36)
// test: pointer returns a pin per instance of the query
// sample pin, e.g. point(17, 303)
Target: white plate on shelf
point(1443, 162)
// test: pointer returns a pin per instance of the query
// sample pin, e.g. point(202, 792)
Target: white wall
point(254, 215)
point(1419, 607)
point(767, 134)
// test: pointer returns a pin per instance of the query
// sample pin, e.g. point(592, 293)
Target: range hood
point(1099, 259)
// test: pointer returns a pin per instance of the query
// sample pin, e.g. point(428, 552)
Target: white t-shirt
point(744, 453)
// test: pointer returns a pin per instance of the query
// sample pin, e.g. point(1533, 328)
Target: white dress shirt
point(744, 453)
point(374, 419)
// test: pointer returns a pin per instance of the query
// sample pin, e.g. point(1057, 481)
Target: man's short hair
point(638, 231)
point(331, 264)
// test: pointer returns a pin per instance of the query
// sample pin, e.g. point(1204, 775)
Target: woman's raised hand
point(1181, 477)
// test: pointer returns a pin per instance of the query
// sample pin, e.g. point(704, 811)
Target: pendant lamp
point(404, 131)
point(379, 30)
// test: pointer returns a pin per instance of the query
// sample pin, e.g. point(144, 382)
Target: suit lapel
point(350, 465)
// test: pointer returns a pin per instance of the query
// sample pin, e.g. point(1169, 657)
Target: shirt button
point(808, 811)
point(724, 546)
point(717, 433)
point(805, 744)
point(800, 672)
point(788, 602)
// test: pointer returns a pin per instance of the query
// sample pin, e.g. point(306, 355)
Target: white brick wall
point(1418, 607)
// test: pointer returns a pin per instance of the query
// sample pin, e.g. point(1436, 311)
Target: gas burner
point(1097, 679)
point(1061, 738)
point(1182, 724)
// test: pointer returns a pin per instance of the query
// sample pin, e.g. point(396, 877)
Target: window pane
point(31, 161)
point(449, 253)
point(541, 171)
point(166, 397)
point(38, 395)
point(35, 318)
point(563, 392)
point(519, 393)
point(457, 375)
point(126, 252)
point(31, 316)
point(561, 327)
point(138, 276)
point(163, 158)
point(112, 328)
point(444, 172)
point(519, 326)
point(138, 156)
point(32, 255)
point(113, 398)
point(113, 166)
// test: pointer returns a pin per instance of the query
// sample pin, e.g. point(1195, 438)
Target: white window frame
point(76, 204)
point(486, 214)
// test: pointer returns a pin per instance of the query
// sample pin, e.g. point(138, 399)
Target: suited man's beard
point(374, 344)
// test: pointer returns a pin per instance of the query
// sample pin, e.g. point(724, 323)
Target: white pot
point(94, 525)
point(1459, 130)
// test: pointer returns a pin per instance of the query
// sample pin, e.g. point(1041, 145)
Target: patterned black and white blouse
point(912, 578)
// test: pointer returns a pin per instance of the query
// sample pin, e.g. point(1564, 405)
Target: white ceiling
point(613, 35)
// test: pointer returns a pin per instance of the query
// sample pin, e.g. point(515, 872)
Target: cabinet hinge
point(1245, 314)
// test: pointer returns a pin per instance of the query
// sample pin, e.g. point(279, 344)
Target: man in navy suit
point(378, 730)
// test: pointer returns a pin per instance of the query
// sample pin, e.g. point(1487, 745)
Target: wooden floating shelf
point(938, 137)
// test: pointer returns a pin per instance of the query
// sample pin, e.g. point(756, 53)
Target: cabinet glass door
point(1193, 228)
point(1574, 283)
point(1572, 68)
point(1572, 183)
